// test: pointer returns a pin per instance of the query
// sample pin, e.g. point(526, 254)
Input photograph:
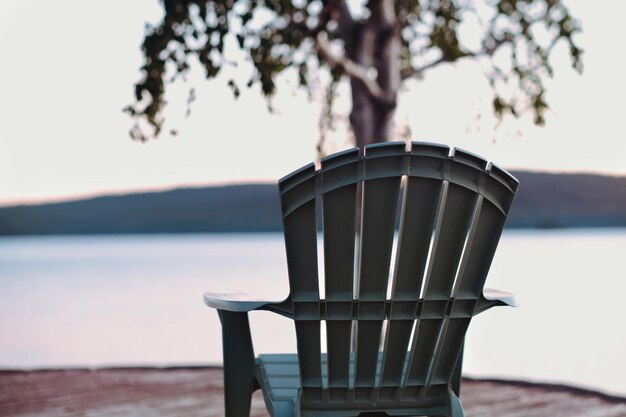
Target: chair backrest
point(399, 335)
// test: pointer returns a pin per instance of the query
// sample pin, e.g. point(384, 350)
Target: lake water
point(137, 300)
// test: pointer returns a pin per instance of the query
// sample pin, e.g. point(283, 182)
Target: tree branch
point(487, 51)
point(419, 72)
point(351, 68)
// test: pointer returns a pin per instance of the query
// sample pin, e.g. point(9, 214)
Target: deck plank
point(195, 392)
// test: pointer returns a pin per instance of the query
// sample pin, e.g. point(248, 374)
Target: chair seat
point(279, 377)
point(280, 374)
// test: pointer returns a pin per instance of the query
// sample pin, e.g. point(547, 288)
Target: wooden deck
point(190, 392)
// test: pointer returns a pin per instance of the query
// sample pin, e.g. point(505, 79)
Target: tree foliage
point(514, 39)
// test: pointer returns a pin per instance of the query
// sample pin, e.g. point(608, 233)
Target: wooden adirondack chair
point(394, 345)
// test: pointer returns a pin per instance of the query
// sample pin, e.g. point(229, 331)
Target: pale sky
point(68, 67)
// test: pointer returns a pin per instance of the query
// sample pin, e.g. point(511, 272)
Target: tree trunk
point(375, 45)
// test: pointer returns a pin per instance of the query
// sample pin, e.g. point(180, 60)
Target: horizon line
point(119, 192)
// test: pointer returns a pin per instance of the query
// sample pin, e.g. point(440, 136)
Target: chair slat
point(424, 341)
point(339, 234)
point(368, 332)
point(339, 339)
point(451, 348)
point(395, 351)
point(481, 251)
point(339, 238)
point(380, 200)
point(309, 354)
point(301, 247)
point(450, 237)
point(419, 208)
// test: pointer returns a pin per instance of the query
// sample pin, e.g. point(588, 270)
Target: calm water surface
point(137, 300)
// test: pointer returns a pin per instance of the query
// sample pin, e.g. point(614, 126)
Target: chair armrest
point(239, 303)
point(493, 298)
point(502, 296)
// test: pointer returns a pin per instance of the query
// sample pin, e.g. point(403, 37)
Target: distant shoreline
point(544, 201)
point(278, 231)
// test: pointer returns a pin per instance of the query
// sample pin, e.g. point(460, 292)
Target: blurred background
point(107, 243)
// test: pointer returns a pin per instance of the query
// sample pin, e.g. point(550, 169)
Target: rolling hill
point(544, 201)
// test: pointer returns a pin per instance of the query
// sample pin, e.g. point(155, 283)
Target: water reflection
point(113, 300)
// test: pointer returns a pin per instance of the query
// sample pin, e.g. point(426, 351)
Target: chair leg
point(457, 408)
point(239, 380)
